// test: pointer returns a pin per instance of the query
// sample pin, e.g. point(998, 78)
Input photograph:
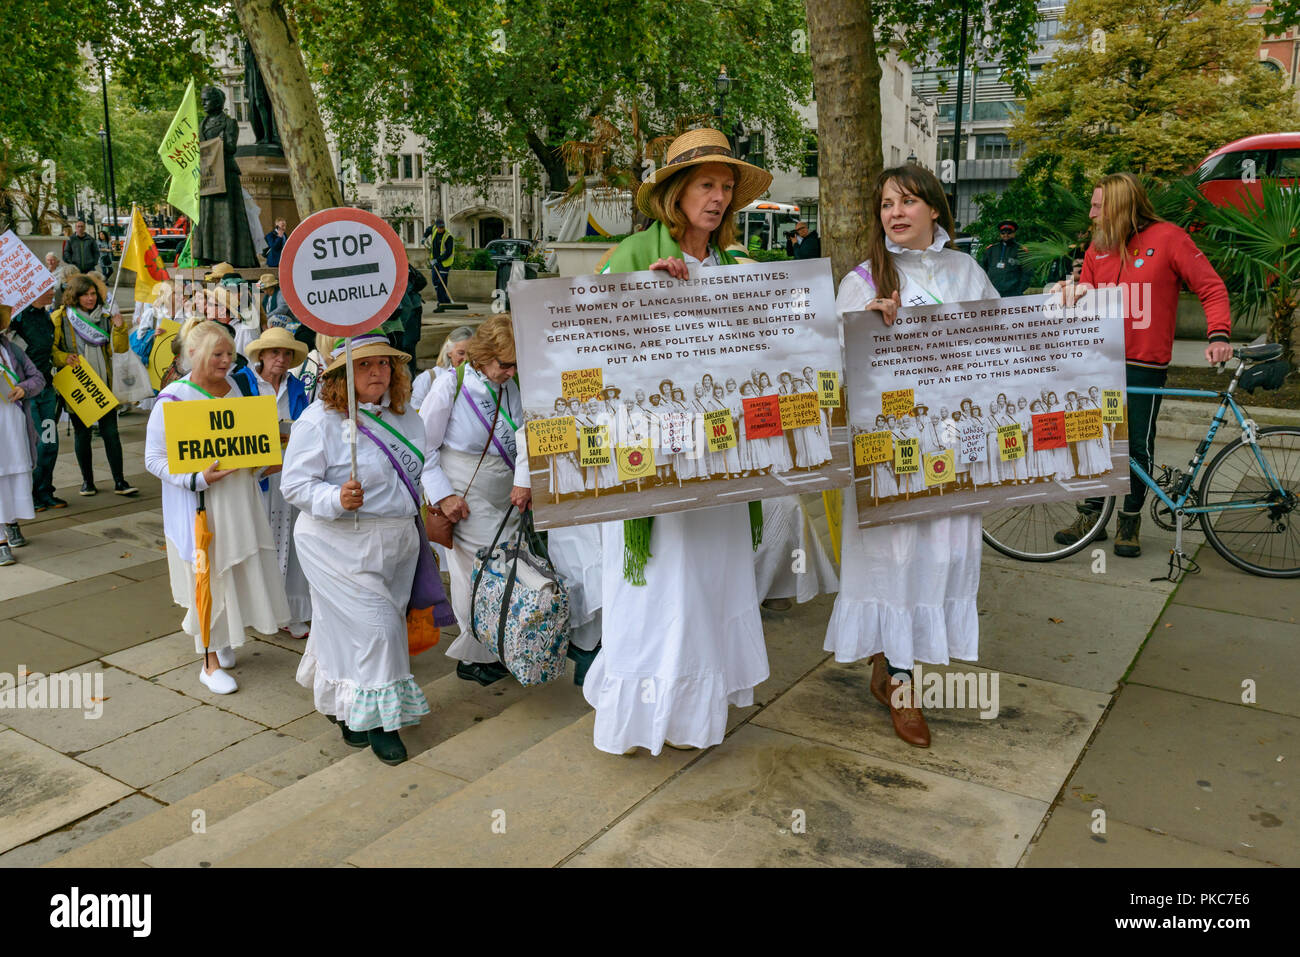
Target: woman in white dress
point(1099, 448)
point(1045, 460)
point(269, 358)
point(360, 545)
point(1026, 465)
point(1062, 456)
point(778, 446)
point(756, 450)
point(985, 472)
point(450, 356)
point(731, 456)
point(820, 434)
point(566, 475)
point(244, 577)
point(473, 471)
point(19, 379)
point(908, 590)
point(682, 635)
point(884, 484)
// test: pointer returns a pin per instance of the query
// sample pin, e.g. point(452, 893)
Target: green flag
point(180, 154)
point(183, 258)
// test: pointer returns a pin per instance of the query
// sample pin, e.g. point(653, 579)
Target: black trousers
point(112, 446)
point(1143, 410)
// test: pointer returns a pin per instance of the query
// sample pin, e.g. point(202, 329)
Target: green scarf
point(634, 254)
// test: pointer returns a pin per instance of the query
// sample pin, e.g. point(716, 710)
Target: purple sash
point(505, 456)
point(426, 588)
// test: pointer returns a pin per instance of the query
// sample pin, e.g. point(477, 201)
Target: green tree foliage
point(1152, 86)
point(487, 81)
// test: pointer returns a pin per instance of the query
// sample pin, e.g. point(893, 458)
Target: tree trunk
point(311, 169)
point(556, 175)
point(846, 82)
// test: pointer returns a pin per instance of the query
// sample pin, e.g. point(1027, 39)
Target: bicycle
point(1248, 502)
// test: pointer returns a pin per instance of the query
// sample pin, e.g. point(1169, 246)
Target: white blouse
point(926, 276)
point(318, 461)
point(452, 423)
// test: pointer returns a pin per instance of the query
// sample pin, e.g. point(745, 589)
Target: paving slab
point(42, 851)
point(22, 644)
point(326, 836)
point(96, 560)
point(23, 579)
point(160, 750)
point(1222, 786)
point(129, 704)
point(118, 618)
point(59, 541)
point(764, 798)
point(454, 705)
point(128, 845)
point(143, 529)
point(151, 569)
point(50, 597)
point(42, 790)
point(268, 693)
point(264, 745)
point(794, 642)
point(1101, 623)
point(1212, 654)
point(1225, 587)
point(1028, 748)
point(1069, 840)
point(299, 761)
point(550, 800)
point(307, 727)
point(1132, 573)
point(249, 825)
point(153, 658)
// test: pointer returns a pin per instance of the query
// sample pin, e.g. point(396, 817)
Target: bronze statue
point(222, 234)
point(260, 114)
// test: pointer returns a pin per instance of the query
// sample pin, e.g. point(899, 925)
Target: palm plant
point(1256, 250)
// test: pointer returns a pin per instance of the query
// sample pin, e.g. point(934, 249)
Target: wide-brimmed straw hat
point(268, 281)
point(217, 271)
point(371, 344)
point(277, 337)
point(695, 148)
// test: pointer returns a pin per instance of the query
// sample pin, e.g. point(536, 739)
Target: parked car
point(1233, 171)
point(508, 250)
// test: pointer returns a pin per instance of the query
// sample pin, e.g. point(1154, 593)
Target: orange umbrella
point(202, 582)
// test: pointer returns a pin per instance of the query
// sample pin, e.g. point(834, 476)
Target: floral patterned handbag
point(519, 607)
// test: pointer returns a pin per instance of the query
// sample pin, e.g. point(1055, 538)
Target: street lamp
point(103, 156)
point(98, 49)
point(721, 84)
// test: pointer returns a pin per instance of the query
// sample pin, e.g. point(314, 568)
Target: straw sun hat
point(276, 337)
point(695, 148)
point(218, 271)
point(370, 344)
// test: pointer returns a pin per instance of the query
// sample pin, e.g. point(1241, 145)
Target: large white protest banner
point(23, 277)
point(975, 406)
point(645, 394)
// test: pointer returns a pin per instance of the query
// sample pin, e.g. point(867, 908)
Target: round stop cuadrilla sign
point(343, 271)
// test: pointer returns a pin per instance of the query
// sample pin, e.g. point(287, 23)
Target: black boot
point(581, 662)
point(356, 739)
point(387, 746)
point(1126, 535)
point(484, 674)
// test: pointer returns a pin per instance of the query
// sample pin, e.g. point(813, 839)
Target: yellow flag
point(180, 154)
point(141, 257)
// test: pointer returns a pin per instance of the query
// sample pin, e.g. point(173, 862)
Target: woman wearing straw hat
point(246, 588)
point(682, 635)
point(270, 357)
point(359, 544)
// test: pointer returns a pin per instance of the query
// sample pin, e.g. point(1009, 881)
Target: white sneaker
point(218, 682)
point(226, 657)
point(297, 629)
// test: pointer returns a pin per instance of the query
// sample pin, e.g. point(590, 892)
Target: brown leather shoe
point(880, 678)
point(909, 723)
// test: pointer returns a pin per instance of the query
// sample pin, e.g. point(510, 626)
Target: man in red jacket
point(1152, 259)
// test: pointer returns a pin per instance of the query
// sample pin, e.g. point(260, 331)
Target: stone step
point(313, 775)
point(391, 796)
point(127, 846)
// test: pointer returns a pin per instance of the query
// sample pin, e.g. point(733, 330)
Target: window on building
point(408, 166)
point(895, 156)
point(238, 102)
point(757, 150)
point(898, 81)
point(810, 157)
point(808, 213)
point(945, 146)
point(1048, 29)
point(390, 164)
point(995, 146)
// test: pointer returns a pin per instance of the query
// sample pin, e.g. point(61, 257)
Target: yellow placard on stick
point(236, 433)
point(593, 446)
point(828, 389)
point(720, 429)
point(939, 467)
point(1082, 425)
point(581, 383)
point(85, 392)
point(1112, 405)
point(897, 402)
point(1011, 443)
point(907, 456)
point(872, 448)
point(800, 410)
point(636, 461)
point(160, 350)
point(552, 436)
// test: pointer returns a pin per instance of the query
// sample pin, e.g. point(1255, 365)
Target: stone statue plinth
point(266, 177)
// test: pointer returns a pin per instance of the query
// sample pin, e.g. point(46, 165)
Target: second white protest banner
point(645, 395)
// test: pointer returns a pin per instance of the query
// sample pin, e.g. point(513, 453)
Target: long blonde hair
point(1125, 212)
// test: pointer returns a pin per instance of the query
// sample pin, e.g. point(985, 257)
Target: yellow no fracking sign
point(236, 433)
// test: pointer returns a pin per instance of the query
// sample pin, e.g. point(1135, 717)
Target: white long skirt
point(575, 551)
point(244, 580)
point(790, 561)
point(488, 499)
point(681, 648)
point(356, 662)
point(15, 463)
point(908, 590)
point(282, 516)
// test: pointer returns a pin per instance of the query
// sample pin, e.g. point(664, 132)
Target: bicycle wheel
point(1026, 532)
point(1266, 540)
